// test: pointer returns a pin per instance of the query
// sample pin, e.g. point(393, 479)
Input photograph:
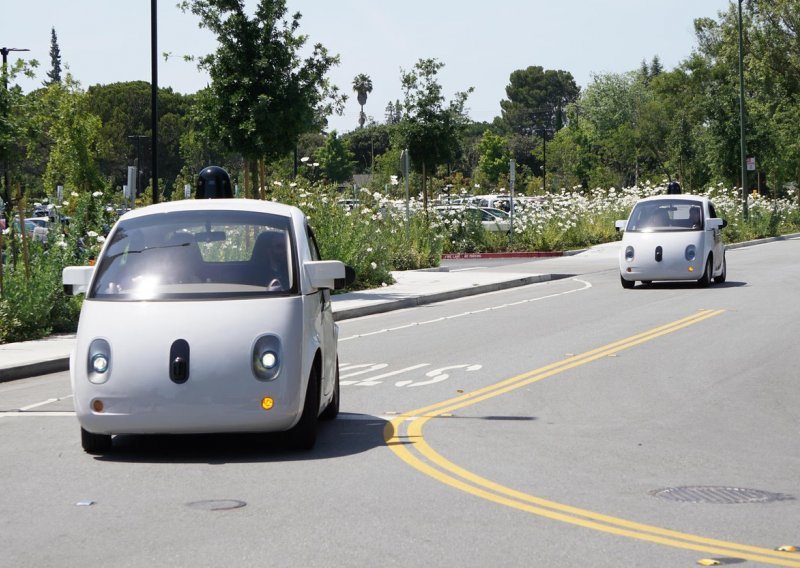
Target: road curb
point(33, 369)
point(421, 300)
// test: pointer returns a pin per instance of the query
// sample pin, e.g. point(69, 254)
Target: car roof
point(683, 196)
point(235, 204)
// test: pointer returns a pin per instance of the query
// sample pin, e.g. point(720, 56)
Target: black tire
point(303, 435)
point(627, 284)
point(724, 274)
point(332, 410)
point(705, 280)
point(95, 443)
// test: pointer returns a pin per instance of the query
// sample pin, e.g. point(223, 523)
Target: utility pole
point(154, 93)
point(742, 117)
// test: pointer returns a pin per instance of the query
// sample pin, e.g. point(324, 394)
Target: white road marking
point(371, 367)
point(436, 376)
point(48, 401)
point(586, 286)
point(17, 414)
point(372, 381)
point(467, 269)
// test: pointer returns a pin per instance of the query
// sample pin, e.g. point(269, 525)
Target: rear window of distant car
point(665, 215)
point(197, 254)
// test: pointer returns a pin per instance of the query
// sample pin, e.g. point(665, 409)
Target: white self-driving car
point(206, 316)
point(672, 237)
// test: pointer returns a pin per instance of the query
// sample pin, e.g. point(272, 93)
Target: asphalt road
point(532, 427)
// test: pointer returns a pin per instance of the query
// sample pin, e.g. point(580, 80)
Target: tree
point(494, 156)
point(367, 143)
point(264, 94)
point(537, 100)
point(335, 159)
point(362, 84)
point(54, 75)
point(429, 128)
point(74, 133)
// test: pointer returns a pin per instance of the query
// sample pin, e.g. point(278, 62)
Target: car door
point(327, 334)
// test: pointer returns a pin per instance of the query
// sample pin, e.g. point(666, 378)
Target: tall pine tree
point(54, 75)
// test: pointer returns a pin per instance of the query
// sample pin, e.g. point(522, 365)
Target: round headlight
point(100, 363)
point(691, 253)
point(629, 253)
point(269, 360)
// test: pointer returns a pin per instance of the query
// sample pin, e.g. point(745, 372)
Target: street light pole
point(742, 117)
point(154, 93)
point(5, 51)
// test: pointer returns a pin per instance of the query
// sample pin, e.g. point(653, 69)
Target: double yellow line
point(404, 437)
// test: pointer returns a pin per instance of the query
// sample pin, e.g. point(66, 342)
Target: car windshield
point(666, 215)
point(197, 254)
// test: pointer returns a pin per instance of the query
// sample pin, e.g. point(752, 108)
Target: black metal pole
point(154, 93)
point(544, 160)
point(742, 147)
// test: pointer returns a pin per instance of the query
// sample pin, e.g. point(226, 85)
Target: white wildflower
point(97, 194)
point(101, 239)
point(74, 194)
point(373, 265)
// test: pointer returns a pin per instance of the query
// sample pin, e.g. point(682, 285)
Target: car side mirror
point(620, 225)
point(349, 278)
point(326, 274)
point(76, 279)
point(715, 223)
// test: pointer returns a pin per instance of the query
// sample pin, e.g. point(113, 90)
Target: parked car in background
point(675, 237)
point(206, 316)
point(492, 220)
point(35, 227)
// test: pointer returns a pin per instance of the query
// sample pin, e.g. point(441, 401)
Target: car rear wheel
point(303, 435)
point(627, 284)
point(95, 443)
point(332, 410)
point(724, 274)
point(705, 280)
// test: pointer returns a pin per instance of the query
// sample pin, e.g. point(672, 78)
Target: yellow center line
point(455, 476)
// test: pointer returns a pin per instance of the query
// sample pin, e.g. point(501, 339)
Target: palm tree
point(362, 85)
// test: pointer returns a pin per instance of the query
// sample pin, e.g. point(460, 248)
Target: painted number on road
point(367, 379)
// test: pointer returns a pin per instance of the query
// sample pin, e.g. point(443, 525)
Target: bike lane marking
point(412, 448)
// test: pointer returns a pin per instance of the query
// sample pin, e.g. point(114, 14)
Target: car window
point(197, 254)
point(312, 243)
point(666, 215)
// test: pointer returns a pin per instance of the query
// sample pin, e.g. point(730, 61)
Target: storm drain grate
point(216, 504)
point(718, 495)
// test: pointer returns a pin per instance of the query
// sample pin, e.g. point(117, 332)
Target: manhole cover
point(718, 495)
point(216, 504)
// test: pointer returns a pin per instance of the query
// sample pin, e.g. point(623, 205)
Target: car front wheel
point(95, 443)
point(724, 274)
point(627, 284)
point(332, 410)
point(303, 435)
point(705, 280)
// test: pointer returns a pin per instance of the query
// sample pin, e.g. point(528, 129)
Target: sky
point(480, 43)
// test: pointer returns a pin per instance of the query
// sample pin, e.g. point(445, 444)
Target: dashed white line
point(586, 286)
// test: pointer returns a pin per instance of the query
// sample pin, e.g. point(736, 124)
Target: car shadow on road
point(681, 285)
point(348, 435)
